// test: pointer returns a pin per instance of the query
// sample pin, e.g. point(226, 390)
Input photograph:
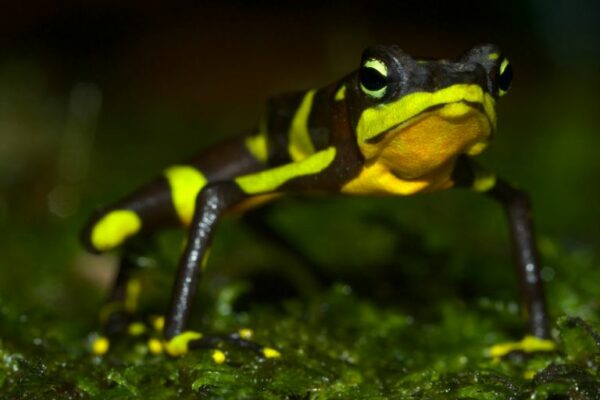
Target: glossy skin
point(396, 126)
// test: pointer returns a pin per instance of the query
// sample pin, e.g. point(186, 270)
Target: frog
point(395, 126)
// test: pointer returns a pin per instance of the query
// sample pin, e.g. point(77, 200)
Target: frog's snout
point(467, 73)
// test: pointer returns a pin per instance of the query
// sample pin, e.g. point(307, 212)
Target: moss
point(343, 346)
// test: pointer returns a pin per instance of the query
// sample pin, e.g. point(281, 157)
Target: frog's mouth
point(452, 112)
point(452, 103)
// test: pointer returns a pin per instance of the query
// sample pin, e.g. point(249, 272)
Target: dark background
point(99, 96)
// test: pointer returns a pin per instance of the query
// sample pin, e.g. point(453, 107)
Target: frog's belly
point(377, 179)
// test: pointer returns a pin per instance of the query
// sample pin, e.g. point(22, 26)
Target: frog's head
point(422, 112)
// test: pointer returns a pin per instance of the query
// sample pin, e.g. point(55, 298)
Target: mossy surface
point(338, 342)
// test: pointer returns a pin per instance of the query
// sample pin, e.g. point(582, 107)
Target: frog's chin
point(434, 139)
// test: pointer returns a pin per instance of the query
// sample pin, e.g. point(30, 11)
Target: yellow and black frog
point(396, 126)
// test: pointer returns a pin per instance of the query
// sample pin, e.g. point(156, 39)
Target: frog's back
point(296, 125)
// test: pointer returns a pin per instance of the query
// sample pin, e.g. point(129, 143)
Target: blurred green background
point(98, 97)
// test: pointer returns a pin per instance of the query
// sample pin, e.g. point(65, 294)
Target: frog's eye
point(373, 78)
point(505, 77)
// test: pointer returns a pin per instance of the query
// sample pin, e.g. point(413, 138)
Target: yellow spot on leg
point(218, 357)
point(155, 346)
point(100, 346)
point(132, 294)
point(269, 352)
point(529, 374)
point(114, 228)
point(136, 329)
point(158, 323)
point(246, 333)
point(186, 182)
point(529, 344)
point(178, 346)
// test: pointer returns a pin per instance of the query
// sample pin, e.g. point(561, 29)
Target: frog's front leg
point(211, 203)
point(517, 206)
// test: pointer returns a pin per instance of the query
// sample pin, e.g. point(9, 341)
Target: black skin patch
point(280, 112)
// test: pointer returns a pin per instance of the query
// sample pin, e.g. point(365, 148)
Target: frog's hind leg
point(117, 315)
point(168, 200)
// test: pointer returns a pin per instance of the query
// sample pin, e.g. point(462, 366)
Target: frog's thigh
point(272, 179)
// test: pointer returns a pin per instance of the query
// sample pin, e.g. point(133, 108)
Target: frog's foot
point(124, 324)
point(189, 340)
point(150, 330)
point(529, 344)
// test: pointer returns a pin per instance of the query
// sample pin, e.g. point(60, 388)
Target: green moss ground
point(339, 345)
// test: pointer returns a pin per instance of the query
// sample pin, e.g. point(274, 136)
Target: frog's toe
point(123, 326)
point(243, 338)
point(529, 344)
point(100, 345)
point(189, 340)
point(180, 344)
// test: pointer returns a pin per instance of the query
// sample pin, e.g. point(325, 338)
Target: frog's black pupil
point(505, 78)
point(372, 79)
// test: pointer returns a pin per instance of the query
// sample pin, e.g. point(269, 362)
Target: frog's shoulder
point(298, 124)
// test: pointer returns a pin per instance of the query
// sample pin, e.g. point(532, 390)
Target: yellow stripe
point(493, 56)
point(374, 121)
point(114, 228)
point(341, 93)
point(186, 182)
point(300, 145)
point(257, 144)
point(270, 180)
